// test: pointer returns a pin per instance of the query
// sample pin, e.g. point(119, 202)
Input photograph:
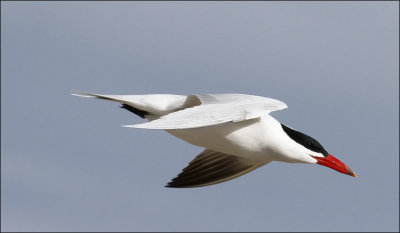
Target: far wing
point(212, 167)
point(216, 109)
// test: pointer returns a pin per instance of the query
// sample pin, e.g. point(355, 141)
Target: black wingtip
point(169, 185)
point(176, 183)
point(172, 185)
point(134, 110)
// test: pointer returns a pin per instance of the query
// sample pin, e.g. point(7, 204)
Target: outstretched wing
point(212, 167)
point(215, 109)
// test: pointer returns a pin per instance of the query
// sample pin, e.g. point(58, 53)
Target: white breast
point(248, 139)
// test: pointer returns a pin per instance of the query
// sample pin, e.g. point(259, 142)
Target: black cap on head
point(305, 140)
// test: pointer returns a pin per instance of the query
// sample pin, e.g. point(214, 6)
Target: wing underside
point(211, 167)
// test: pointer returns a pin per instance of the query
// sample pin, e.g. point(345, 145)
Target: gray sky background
point(67, 165)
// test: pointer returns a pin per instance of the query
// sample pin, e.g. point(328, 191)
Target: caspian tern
point(236, 130)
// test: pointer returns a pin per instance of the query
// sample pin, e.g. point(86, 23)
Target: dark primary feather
point(134, 110)
point(211, 167)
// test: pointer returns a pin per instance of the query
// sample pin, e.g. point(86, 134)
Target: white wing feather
point(216, 109)
point(156, 104)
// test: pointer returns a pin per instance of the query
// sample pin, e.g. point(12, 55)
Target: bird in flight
point(236, 130)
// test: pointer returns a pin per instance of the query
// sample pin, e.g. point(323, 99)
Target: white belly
point(248, 139)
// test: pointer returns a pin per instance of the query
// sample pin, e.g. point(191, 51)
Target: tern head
point(314, 152)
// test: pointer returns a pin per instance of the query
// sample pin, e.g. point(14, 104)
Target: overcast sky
point(68, 165)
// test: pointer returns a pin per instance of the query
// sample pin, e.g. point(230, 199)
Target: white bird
point(236, 130)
